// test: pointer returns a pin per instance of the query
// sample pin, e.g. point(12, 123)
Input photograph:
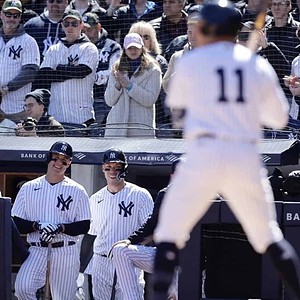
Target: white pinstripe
point(39, 200)
point(110, 225)
point(10, 67)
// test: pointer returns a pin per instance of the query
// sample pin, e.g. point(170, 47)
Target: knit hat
point(42, 96)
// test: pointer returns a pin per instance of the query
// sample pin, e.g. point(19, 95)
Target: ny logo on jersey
point(73, 61)
point(15, 52)
point(104, 56)
point(64, 203)
point(126, 209)
point(48, 42)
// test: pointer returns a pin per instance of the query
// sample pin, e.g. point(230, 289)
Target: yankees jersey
point(72, 100)
point(15, 53)
point(228, 92)
point(116, 216)
point(64, 202)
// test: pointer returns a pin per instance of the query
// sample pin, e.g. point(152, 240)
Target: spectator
point(177, 55)
point(133, 88)
point(126, 15)
point(117, 209)
point(250, 9)
point(172, 23)
point(46, 28)
point(148, 34)
point(69, 69)
point(137, 252)
point(38, 122)
point(109, 52)
point(282, 31)
point(19, 61)
point(268, 50)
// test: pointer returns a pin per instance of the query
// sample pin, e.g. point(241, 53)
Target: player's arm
point(76, 228)
point(145, 232)
point(25, 226)
point(27, 75)
point(70, 71)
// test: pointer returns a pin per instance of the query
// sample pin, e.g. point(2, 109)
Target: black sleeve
point(25, 226)
point(19, 248)
point(77, 228)
point(26, 75)
point(70, 72)
point(86, 251)
point(45, 77)
point(147, 229)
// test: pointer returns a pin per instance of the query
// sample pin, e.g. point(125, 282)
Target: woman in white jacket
point(132, 90)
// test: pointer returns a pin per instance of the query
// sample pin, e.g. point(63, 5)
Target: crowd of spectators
point(79, 52)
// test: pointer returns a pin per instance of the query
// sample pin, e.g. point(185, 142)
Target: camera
point(29, 124)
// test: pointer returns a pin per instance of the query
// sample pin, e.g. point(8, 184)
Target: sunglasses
point(73, 23)
point(146, 37)
point(243, 36)
point(57, 1)
point(15, 16)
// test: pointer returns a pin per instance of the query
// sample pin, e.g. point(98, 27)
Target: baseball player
point(117, 210)
point(19, 61)
point(224, 93)
point(70, 68)
point(53, 211)
point(134, 253)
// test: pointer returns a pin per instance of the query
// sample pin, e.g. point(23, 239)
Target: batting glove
point(47, 237)
point(50, 228)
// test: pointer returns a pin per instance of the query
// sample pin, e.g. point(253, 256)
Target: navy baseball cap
point(90, 19)
point(72, 13)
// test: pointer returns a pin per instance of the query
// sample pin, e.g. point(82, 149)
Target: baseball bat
point(47, 284)
point(258, 25)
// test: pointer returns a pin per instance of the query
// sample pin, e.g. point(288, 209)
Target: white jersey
point(64, 202)
point(236, 94)
point(116, 216)
point(17, 52)
point(72, 100)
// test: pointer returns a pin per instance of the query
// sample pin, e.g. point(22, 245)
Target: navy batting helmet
point(116, 156)
point(221, 18)
point(60, 148)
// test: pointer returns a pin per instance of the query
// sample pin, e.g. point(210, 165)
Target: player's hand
point(125, 242)
point(47, 237)
point(50, 228)
point(80, 281)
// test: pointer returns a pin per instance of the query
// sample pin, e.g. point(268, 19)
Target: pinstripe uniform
point(19, 51)
point(225, 106)
point(72, 100)
point(115, 217)
point(62, 203)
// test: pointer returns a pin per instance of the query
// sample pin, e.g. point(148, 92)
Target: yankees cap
point(90, 19)
point(72, 13)
point(12, 4)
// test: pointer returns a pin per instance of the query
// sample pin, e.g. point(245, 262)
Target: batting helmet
point(116, 156)
point(221, 18)
point(60, 148)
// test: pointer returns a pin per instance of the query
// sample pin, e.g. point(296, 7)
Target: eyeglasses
point(279, 4)
point(57, 1)
point(73, 23)
point(29, 105)
point(146, 37)
point(15, 16)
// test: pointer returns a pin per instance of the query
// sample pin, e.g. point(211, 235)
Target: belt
point(54, 245)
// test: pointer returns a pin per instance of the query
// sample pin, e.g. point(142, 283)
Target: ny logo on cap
point(64, 147)
point(112, 155)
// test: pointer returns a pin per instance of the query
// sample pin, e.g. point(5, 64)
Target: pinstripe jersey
point(236, 94)
point(64, 202)
point(19, 51)
point(72, 100)
point(116, 216)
